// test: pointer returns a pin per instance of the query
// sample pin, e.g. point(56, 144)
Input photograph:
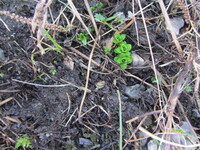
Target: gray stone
point(2, 56)
point(83, 141)
point(135, 91)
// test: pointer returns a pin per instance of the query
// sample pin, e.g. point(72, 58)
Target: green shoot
point(2, 75)
point(58, 47)
point(101, 18)
point(188, 89)
point(97, 6)
point(53, 71)
point(23, 142)
point(120, 122)
point(118, 38)
point(107, 50)
point(122, 50)
point(154, 80)
point(83, 38)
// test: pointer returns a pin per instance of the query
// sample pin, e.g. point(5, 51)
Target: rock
point(2, 56)
point(177, 24)
point(135, 91)
point(196, 113)
point(86, 142)
point(100, 84)
point(137, 60)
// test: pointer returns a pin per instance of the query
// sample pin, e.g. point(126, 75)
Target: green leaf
point(118, 38)
point(121, 58)
point(58, 47)
point(23, 141)
point(83, 38)
point(123, 66)
point(2, 75)
point(125, 47)
point(188, 89)
point(117, 50)
point(99, 17)
point(107, 50)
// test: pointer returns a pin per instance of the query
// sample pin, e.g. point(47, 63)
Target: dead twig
point(166, 141)
point(6, 101)
point(173, 98)
point(168, 23)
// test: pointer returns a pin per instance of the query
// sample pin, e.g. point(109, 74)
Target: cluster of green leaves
point(97, 6)
point(23, 141)
point(122, 50)
point(83, 37)
point(105, 20)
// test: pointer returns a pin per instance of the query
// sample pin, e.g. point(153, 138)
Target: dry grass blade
point(86, 84)
point(165, 141)
point(168, 23)
point(6, 101)
point(196, 64)
point(151, 52)
point(91, 16)
point(173, 98)
point(76, 13)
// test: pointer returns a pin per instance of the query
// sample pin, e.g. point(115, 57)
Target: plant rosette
point(123, 59)
point(118, 38)
point(123, 48)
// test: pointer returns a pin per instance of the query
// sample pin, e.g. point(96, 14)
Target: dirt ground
point(45, 94)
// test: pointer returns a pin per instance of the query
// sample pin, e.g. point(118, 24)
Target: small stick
point(6, 101)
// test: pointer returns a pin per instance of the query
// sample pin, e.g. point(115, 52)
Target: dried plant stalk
point(183, 5)
point(29, 21)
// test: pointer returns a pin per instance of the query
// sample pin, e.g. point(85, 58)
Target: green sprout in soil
point(23, 141)
point(188, 89)
point(83, 37)
point(107, 50)
point(53, 71)
point(97, 6)
point(105, 20)
point(2, 75)
point(122, 50)
point(57, 48)
point(154, 80)
point(118, 38)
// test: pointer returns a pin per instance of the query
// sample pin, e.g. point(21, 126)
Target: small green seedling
point(83, 38)
point(123, 59)
point(105, 20)
point(107, 50)
point(118, 38)
point(2, 75)
point(97, 6)
point(122, 50)
point(23, 141)
point(53, 71)
point(188, 89)
point(57, 48)
point(154, 80)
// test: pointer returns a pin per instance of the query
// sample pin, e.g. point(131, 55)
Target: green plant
point(97, 6)
point(118, 38)
point(83, 38)
point(188, 89)
point(2, 75)
point(154, 80)
point(122, 50)
point(57, 48)
point(23, 141)
point(107, 50)
point(105, 20)
point(53, 71)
